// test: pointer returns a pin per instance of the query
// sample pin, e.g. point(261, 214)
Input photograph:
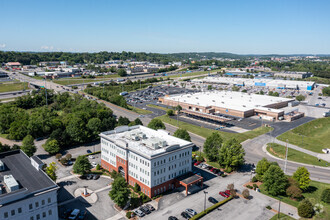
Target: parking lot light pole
point(286, 156)
point(279, 207)
point(205, 199)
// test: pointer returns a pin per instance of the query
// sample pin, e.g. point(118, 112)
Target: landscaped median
point(210, 209)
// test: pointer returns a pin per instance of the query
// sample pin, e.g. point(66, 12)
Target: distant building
point(14, 65)
point(26, 192)
point(153, 159)
point(295, 75)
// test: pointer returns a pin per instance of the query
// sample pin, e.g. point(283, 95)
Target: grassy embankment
point(13, 86)
point(159, 107)
point(78, 80)
point(278, 150)
point(313, 194)
point(313, 136)
point(139, 110)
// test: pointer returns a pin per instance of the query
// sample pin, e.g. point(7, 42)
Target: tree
point(28, 146)
point(138, 121)
point(274, 181)
point(76, 129)
point(137, 187)
point(230, 186)
point(300, 98)
point(119, 192)
point(68, 156)
point(122, 72)
point(170, 112)
point(326, 91)
point(294, 192)
point(82, 165)
point(325, 196)
point(231, 154)
point(123, 121)
point(302, 177)
point(305, 209)
point(51, 146)
point(212, 145)
point(209, 87)
point(156, 124)
point(182, 133)
point(4, 147)
point(94, 125)
point(262, 167)
point(246, 193)
point(51, 170)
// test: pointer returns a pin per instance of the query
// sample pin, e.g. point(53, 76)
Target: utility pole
point(286, 156)
point(205, 199)
point(46, 92)
point(279, 208)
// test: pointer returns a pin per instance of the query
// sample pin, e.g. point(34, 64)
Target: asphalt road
point(253, 147)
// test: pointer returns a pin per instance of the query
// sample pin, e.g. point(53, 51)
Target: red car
point(197, 163)
point(223, 194)
point(227, 192)
point(212, 169)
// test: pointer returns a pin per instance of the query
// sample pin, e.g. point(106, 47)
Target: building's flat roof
point(251, 82)
point(19, 166)
point(120, 135)
point(226, 99)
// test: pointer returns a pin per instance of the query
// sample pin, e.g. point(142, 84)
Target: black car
point(66, 213)
point(89, 151)
point(82, 215)
point(145, 210)
point(172, 218)
point(96, 176)
point(212, 200)
point(185, 215)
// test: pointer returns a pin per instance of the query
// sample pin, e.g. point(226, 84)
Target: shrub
point(255, 186)
point(98, 167)
point(305, 209)
point(254, 179)
point(68, 156)
point(170, 112)
point(233, 193)
point(249, 186)
point(63, 160)
point(268, 207)
point(246, 193)
point(128, 214)
point(294, 192)
point(223, 175)
point(325, 196)
point(230, 186)
point(114, 174)
point(210, 209)
point(228, 170)
point(137, 188)
point(58, 156)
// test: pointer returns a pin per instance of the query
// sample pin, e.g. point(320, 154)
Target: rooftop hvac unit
point(2, 166)
point(11, 183)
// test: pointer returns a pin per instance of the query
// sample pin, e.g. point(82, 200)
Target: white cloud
point(47, 47)
point(2, 45)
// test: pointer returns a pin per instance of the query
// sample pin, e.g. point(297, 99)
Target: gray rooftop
point(28, 177)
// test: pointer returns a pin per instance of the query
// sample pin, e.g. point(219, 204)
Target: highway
point(253, 147)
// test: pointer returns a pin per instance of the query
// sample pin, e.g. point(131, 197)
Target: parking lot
point(101, 209)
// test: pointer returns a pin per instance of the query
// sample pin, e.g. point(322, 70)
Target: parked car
point(197, 163)
point(172, 218)
point(209, 167)
point(91, 157)
point(74, 214)
point(89, 151)
point(223, 194)
point(150, 207)
point(212, 169)
point(194, 161)
point(191, 212)
point(96, 176)
point(212, 200)
point(66, 213)
point(82, 215)
point(139, 213)
point(227, 192)
point(145, 210)
point(94, 164)
point(185, 215)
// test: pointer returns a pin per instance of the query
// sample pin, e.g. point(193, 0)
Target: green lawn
point(314, 195)
point(294, 155)
point(313, 136)
point(318, 80)
point(205, 132)
point(13, 86)
point(139, 110)
point(78, 80)
point(192, 74)
point(282, 216)
point(159, 107)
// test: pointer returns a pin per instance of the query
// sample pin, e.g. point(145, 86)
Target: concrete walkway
point(118, 216)
point(325, 157)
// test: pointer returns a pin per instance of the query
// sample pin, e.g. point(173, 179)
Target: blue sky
point(236, 26)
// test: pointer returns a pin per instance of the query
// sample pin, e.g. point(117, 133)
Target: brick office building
point(153, 159)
